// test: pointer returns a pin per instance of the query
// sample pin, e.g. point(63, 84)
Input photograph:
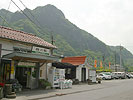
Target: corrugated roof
point(74, 60)
point(21, 36)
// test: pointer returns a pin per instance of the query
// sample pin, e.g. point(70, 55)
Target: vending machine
point(92, 76)
point(55, 76)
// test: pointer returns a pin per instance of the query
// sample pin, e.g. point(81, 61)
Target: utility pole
point(120, 55)
point(52, 42)
point(115, 63)
point(52, 39)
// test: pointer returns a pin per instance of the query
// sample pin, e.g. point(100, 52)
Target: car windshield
point(106, 73)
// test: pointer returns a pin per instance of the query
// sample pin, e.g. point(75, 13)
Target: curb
point(62, 94)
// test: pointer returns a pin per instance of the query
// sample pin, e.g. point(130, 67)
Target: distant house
point(76, 67)
point(117, 68)
point(24, 57)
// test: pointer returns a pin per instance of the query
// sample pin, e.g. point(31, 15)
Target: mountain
point(70, 39)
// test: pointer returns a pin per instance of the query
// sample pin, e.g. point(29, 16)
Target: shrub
point(44, 83)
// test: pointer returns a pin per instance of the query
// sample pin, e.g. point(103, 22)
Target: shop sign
point(40, 50)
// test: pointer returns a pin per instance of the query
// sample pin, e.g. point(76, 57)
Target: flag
point(109, 64)
point(95, 63)
point(101, 64)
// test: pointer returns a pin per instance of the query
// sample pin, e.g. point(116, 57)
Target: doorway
point(23, 75)
point(5, 70)
point(83, 75)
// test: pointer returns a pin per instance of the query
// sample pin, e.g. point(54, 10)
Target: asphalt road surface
point(113, 90)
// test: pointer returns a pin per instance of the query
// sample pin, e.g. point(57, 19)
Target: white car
point(104, 76)
point(119, 75)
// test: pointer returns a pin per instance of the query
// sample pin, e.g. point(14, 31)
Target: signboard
point(12, 67)
point(40, 50)
point(92, 73)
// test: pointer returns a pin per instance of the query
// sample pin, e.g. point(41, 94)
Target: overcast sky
point(109, 20)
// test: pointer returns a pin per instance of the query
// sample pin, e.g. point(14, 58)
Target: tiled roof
point(21, 36)
point(74, 60)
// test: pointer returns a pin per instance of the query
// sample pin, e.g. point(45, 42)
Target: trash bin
point(1, 92)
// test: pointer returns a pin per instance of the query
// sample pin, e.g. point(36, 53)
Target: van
point(119, 75)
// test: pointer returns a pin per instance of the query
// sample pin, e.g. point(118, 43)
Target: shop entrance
point(23, 75)
point(5, 70)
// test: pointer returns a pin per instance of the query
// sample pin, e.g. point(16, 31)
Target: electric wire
point(5, 21)
point(37, 21)
point(28, 17)
point(6, 13)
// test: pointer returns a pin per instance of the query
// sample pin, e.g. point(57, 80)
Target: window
point(101, 75)
point(68, 71)
point(37, 49)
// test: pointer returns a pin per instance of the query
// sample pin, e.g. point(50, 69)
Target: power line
point(37, 20)
point(27, 16)
point(5, 21)
point(29, 12)
point(6, 13)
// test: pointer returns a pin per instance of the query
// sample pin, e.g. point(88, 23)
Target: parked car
point(119, 75)
point(114, 75)
point(104, 76)
point(129, 75)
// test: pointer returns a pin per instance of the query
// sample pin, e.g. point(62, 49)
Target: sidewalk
point(42, 94)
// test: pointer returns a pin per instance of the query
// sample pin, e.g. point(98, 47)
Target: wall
point(43, 72)
point(7, 46)
point(79, 71)
point(87, 73)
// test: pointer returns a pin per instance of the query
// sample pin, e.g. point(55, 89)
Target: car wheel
point(104, 78)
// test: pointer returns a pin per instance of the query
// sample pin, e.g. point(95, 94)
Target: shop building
point(75, 67)
point(24, 57)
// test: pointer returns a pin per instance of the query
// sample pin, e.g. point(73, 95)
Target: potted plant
point(44, 84)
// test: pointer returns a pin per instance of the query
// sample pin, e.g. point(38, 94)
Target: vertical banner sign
point(95, 63)
point(109, 64)
point(12, 67)
point(101, 64)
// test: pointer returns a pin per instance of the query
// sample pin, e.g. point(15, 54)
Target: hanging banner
point(101, 64)
point(95, 63)
point(12, 67)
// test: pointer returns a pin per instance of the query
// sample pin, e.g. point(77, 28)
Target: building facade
point(28, 57)
point(82, 66)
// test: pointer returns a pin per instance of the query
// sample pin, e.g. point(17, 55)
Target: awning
point(32, 57)
point(63, 65)
point(25, 66)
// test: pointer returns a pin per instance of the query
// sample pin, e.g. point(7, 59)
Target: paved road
point(112, 90)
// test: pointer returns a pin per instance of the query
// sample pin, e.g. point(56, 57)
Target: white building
point(82, 66)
